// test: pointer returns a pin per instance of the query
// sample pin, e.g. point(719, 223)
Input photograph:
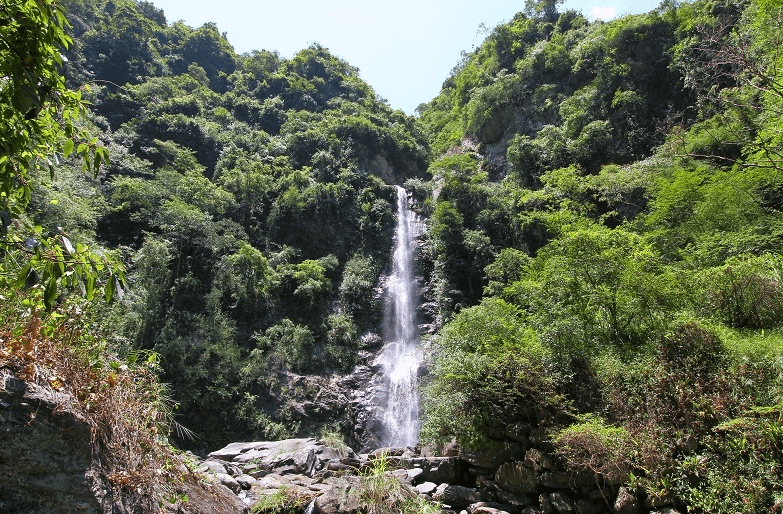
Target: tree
point(546, 9)
point(36, 108)
point(38, 116)
point(735, 65)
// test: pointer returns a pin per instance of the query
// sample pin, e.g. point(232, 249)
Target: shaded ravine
point(397, 409)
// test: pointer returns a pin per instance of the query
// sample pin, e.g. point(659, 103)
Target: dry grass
point(124, 405)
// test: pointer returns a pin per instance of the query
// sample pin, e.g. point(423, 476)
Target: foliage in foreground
point(128, 410)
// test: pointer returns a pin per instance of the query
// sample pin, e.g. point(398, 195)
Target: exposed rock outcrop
point(49, 462)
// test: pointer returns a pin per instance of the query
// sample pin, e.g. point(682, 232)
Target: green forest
point(603, 256)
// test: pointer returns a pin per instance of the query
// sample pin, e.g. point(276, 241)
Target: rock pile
point(506, 478)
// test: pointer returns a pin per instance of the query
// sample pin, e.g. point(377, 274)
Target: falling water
point(399, 358)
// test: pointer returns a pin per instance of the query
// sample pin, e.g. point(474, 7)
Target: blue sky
point(404, 49)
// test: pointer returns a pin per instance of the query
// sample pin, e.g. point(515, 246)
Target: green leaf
point(50, 294)
point(110, 288)
point(68, 147)
point(90, 287)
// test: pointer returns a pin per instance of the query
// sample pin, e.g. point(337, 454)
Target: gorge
point(204, 275)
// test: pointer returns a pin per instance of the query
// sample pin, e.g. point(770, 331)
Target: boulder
point(456, 495)
point(518, 500)
point(290, 456)
point(561, 502)
point(341, 499)
point(427, 488)
point(246, 481)
point(440, 470)
point(515, 477)
point(212, 466)
point(555, 480)
point(228, 481)
point(494, 453)
point(626, 502)
point(485, 508)
point(414, 474)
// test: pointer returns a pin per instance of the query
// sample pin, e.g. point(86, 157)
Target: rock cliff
point(50, 462)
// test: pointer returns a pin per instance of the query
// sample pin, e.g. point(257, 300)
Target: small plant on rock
point(284, 501)
point(381, 493)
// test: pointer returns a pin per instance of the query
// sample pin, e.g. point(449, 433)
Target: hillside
point(601, 267)
point(604, 248)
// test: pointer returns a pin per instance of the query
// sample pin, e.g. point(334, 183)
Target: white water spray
point(400, 358)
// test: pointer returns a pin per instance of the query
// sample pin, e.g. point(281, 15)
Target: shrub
point(382, 493)
point(594, 446)
point(284, 501)
point(740, 469)
point(692, 349)
point(746, 292)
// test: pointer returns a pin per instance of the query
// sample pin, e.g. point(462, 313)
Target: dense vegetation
point(605, 247)
point(244, 193)
point(603, 256)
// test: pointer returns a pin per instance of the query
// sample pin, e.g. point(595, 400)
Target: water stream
point(399, 359)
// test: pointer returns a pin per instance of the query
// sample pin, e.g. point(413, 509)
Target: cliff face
point(45, 458)
point(50, 463)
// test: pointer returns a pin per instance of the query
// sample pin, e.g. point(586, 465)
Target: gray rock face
point(48, 462)
point(439, 469)
point(427, 488)
point(292, 456)
point(456, 495)
point(626, 502)
point(343, 499)
point(517, 478)
point(45, 455)
point(531, 483)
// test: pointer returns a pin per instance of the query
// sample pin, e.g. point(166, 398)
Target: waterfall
point(398, 413)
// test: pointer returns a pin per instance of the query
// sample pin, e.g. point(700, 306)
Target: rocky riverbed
point(506, 478)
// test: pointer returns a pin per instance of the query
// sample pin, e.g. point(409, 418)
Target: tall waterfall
point(400, 358)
